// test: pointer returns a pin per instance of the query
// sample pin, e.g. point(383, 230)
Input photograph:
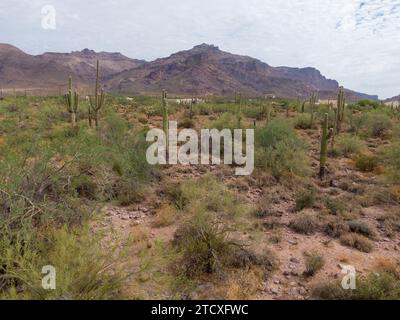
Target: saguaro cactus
point(341, 102)
point(165, 116)
point(72, 102)
point(326, 135)
point(303, 106)
point(239, 110)
point(97, 101)
point(313, 101)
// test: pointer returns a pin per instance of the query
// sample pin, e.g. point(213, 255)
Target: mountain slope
point(207, 70)
point(393, 99)
point(21, 70)
point(202, 70)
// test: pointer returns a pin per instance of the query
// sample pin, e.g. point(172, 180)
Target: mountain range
point(202, 70)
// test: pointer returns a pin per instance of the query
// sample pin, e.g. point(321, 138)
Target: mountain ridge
point(202, 70)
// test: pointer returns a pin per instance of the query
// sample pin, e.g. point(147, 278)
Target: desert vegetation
point(76, 192)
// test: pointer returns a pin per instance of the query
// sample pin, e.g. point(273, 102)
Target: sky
point(356, 42)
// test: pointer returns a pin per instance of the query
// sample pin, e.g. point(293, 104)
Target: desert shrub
point(280, 151)
point(366, 163)
point(335, 228)
point(376, 286)
point(335, 206)
point(304, 224)
point(305, 199)
point(390, 156)
point(210, 195)
point(314, 263)
point(377, 124)
point(356, 241)
point(348, 144)
point(82, 266)
point(203, 246)
point(362, 228)
point(385, 196)
point(225, 121)
point(165, 216)
point(245, 258)
point(302, 121)
point(52, 179)
point(390, 223)
point(204, 109)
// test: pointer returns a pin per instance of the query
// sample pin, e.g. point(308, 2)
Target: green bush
point(390, 156)
point(366, 163)
point(377, 124)
point(305, 199)
point(302, 121)
point(376, 286)
point(82, 266)
point(203, 247)
point(348, 144)
point(280, 151)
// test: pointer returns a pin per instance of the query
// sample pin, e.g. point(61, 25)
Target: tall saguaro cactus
point(341, 102)
point(72, 102)
point(313, 101)
point(239, 110)
point(326, 135)
point(97, 101)
point(165, 117)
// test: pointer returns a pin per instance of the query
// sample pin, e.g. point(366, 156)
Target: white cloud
point(356, 42)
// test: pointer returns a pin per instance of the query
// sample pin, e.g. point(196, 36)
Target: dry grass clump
point(335, 228)
point(356, 241)
point(165, 216)
point(314, 263)
point(362, 227)
point(304, 224)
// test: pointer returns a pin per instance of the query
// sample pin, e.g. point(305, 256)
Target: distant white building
point(395, 104)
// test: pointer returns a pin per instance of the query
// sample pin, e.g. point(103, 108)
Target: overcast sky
point(356, 42)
